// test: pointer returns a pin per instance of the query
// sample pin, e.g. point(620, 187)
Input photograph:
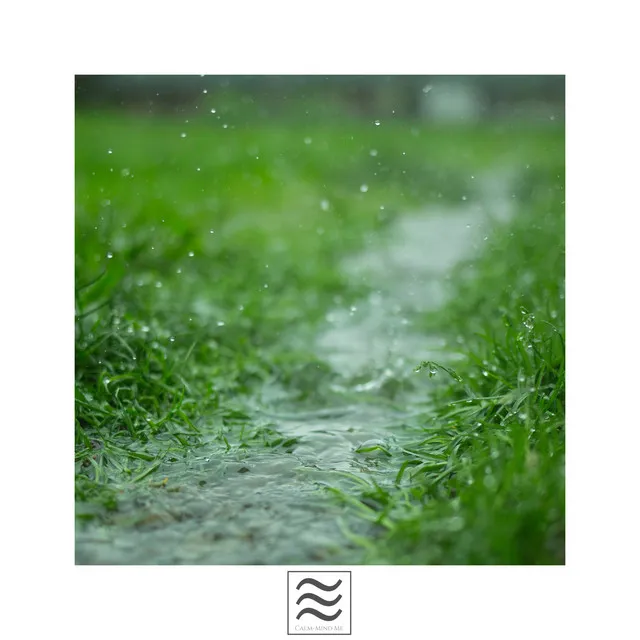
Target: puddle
point(266, 507)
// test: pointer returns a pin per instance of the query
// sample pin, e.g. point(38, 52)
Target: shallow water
point(266, 507)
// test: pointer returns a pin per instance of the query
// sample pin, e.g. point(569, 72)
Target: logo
point(319, 603)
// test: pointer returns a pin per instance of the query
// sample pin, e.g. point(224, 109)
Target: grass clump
point(483, 483)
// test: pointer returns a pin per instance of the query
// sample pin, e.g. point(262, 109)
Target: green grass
point(484, 481)
point(205, 263)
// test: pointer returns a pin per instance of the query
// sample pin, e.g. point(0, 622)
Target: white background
point(44, 45)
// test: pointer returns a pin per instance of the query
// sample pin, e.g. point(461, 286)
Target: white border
point(50, 43)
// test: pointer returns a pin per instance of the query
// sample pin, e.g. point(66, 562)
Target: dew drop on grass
point(183, 135)
point(172, 339)
point(178, 271)
point(377, 123)
point(485, 373)
point(191, 254)
point(373, 153)
point(109, 151)
point(158, 285)
point(213, 110)
point(364, 188)
point(109, 255)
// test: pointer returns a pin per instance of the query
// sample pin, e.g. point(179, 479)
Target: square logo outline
point(313, 571)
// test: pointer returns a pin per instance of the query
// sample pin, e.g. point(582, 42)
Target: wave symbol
point(318, 614)
point(315, 583)
point(319, 600)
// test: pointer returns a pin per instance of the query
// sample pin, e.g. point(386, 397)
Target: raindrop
point(172, 339)
point(220, 323)
point(373, 153)
point(183, 135)
point(485, 373)
point(191, 254)
point(204, 91)
point(158, 285)
point(145, 328)
point(324, 205)
point(197, 168)
point(377, 123)
point(241, 307)
point(364, 188)
point(265, 286)
point(125, 172)
point(178, 270)
point(213, 110)
point(224, 126)
point(109, 255)
point(308, 140)
point(109, 151)
point(211, 231)
point(464, 197)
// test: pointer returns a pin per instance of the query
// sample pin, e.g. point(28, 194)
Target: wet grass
point(205, 261)
point(483, 483)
